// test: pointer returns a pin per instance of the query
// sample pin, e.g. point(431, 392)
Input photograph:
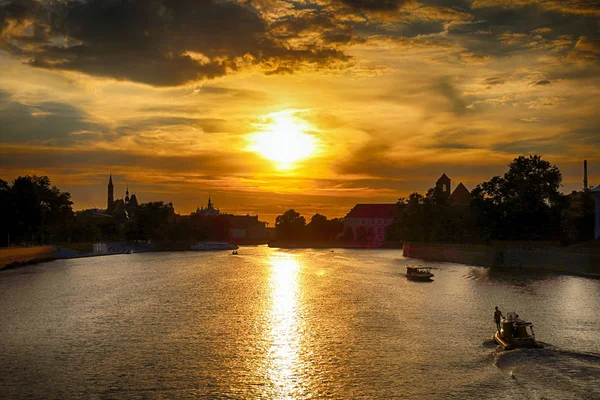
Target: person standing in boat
point(497, 316)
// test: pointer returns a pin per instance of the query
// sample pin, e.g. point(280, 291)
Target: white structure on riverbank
point(596, 194)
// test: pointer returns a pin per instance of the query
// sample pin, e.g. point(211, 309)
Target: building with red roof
point(368, 222)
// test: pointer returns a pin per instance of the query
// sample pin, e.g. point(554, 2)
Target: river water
point(274, 323)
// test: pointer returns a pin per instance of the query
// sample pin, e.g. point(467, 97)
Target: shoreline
point(460, 254)
point(509, 256)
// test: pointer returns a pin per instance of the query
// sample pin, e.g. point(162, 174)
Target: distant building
point(444, 184)
point(120, 208)
point(242, 228)
point(459, 197)
point(596, 195)
point(209, 211)
point(368, 222)
point(246, 228)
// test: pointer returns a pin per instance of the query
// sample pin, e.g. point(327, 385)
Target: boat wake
point(551, 372)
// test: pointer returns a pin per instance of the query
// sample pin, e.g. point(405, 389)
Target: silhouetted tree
point(33, 209)
point(152, 221)
point(348, 235)
point(290, 225)
point(322, 229)
point(524, 204)
point(578, 218)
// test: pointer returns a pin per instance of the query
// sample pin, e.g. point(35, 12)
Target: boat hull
point(527, 343)
point(419, 278)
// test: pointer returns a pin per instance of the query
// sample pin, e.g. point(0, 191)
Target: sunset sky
point(308, 104)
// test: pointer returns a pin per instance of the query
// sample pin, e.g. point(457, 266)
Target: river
point(271, 323)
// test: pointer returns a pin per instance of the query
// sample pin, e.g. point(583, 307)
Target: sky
point(314, 105)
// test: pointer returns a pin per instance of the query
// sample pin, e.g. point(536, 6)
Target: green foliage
point(524, 204)
point(430, 218)
point(34, 210)
point(291, 226)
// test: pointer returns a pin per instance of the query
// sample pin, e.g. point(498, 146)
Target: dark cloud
point(159, 42)
point(207, 163)
point(46, 122)
point(458, 102)
point(377, 160)
point(375, 5)
point(554, 144)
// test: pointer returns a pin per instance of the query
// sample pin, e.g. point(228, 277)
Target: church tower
point(110, 193)
point(444, 184)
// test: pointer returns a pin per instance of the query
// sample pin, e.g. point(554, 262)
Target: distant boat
point(416, 273)
point(212, 246)
point(234, 253)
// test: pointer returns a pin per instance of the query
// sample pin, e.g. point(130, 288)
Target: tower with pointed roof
point(111, 197)
point(444, 184)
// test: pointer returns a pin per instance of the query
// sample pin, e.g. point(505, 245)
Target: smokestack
point(585, 187)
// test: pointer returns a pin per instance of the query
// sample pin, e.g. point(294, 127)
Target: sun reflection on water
point(284, 367)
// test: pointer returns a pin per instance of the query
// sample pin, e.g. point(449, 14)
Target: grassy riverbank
point(16, 257)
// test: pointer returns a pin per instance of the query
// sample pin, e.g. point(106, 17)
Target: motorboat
point(211, 246)
point(516, 333)
point(417, 273)
point(234, 253)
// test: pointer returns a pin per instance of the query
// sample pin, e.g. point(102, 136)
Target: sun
point(283, 139)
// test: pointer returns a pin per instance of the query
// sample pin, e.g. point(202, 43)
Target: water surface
point(273, 323)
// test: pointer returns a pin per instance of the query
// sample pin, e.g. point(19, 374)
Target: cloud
point(162, 43)
point(201, 164)
point(375, 5)
point(580, 7)
point(44, 122)
point(458, 103)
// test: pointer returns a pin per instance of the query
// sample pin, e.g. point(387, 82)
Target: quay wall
point(580, 261)
point(458, 253)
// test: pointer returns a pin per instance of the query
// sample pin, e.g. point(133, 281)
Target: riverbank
point(18, 257)
point(571, 260)
point(331, 245)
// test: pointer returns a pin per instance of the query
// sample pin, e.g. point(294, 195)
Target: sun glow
point(283, 139)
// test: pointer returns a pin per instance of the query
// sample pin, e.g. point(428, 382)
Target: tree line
point(522, 205)
point(291, 227)
point(33, 211)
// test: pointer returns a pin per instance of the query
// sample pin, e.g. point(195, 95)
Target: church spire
point(110, 197)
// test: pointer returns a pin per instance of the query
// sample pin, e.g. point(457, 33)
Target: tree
point(524, 204)
point(290, 225)
point(317, 227)
point(152, 221)
point(348, 235)
point(322, 229)
point(36, 210)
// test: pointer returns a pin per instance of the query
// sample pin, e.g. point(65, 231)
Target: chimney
point(585, 186)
